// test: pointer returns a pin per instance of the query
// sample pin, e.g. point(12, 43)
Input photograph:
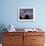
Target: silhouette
point(20, 17)
point(27, 17)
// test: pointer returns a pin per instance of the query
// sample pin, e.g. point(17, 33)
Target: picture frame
point(26, 14)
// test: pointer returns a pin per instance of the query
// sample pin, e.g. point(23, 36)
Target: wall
point(9, 13)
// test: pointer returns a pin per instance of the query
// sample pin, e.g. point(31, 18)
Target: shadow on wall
point(2, 26)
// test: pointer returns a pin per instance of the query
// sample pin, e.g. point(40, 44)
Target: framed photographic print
point(26, 14)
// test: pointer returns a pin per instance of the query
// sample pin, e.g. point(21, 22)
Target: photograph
point(26, 14)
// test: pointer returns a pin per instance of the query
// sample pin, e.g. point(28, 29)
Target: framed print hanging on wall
point(26, 14)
